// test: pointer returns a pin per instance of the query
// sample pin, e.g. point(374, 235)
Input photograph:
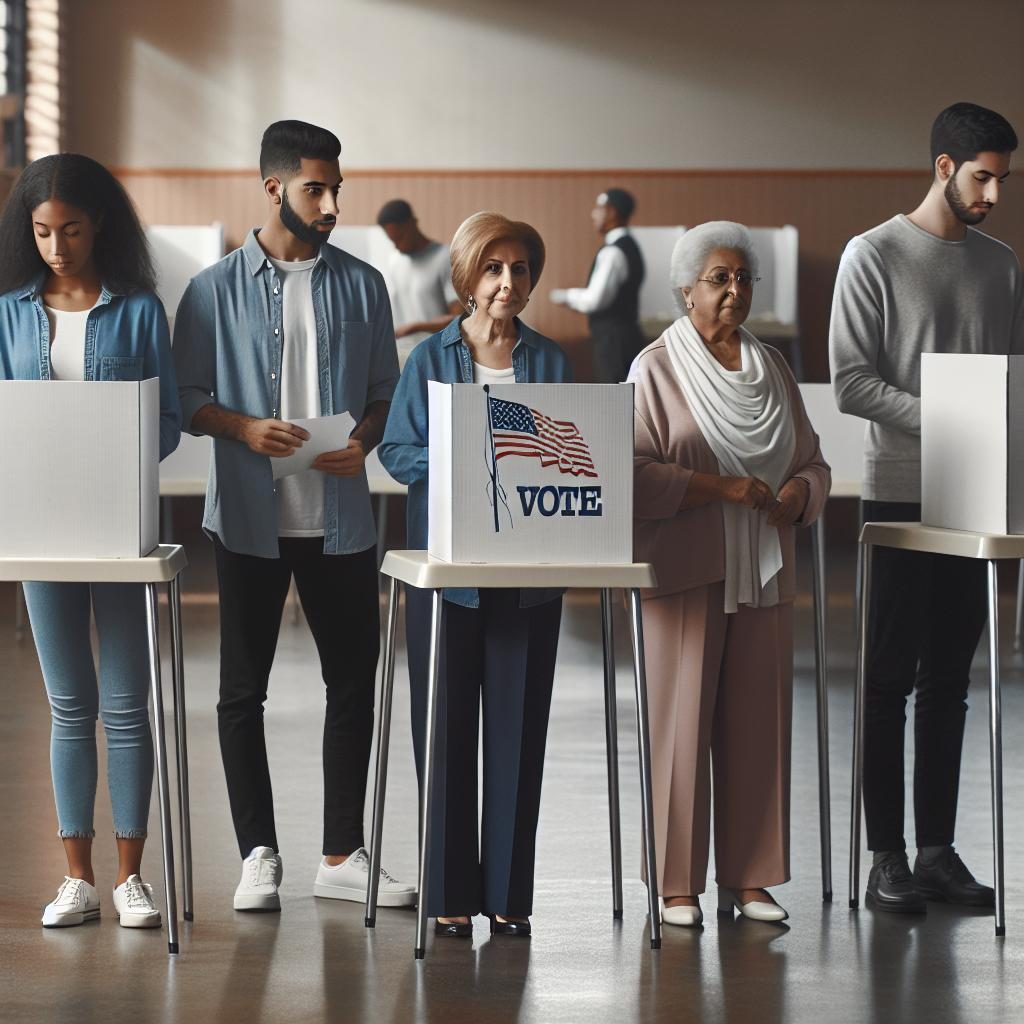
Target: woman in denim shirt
point(77, 302)
point(498, 642)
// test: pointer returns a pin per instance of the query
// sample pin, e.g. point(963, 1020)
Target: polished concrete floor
point(316, 961)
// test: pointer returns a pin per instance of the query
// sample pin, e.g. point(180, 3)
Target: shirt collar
point(34, 289)
point(257, 259)
point(451, 334)
point(615, 234)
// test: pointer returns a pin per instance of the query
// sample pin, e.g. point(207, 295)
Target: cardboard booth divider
point(972, 442)
point(80, 468)
point(531, 473)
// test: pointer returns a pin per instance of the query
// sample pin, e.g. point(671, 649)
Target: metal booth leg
point(160, 744)
point(611, 732)
point(821, 665)
point(858, 724)
point(382, 527)
point(427, 789)
point(181, 744)
point(996, 746)
point(380, 779)
point(644, 744)
point(19, 611)
point(1018, 622)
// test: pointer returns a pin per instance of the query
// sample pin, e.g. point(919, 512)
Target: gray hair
point(694, 247)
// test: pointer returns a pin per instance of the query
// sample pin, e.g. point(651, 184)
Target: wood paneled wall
point(828, 208)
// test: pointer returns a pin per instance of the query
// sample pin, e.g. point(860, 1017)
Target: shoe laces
point(957, 867)
point(138, 894)
point(261, 870)
point(70, 891)
point(896, 869)
point(361, 862)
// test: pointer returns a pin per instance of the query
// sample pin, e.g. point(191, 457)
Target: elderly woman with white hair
point(726, 464)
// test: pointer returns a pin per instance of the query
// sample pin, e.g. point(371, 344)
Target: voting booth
point(972, 442)
point(531, 473)
point(80, 468)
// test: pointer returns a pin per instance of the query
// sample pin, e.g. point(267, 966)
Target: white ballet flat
point(682, 917)
point(756, 910)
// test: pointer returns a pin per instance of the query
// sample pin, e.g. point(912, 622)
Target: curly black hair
point(120, 251)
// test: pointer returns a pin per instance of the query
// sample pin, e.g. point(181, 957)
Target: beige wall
point(806, 112)
point(538, 83)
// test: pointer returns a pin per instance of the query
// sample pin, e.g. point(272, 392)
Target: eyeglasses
point(743, 279)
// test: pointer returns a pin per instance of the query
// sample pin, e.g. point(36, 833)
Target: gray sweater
point(900, 292)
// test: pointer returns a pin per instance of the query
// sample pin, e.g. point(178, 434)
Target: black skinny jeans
point(339, 598)
point(925, 618)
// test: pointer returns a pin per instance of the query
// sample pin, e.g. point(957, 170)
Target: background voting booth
point(80, 504)
point(561, 435)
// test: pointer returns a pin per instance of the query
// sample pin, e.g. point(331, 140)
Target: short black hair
point(964, 130)
point(395, 211)
point(621, 201)
point(285, 143)
point(120, 250)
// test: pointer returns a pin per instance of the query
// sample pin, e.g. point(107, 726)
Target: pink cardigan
point(687, 546)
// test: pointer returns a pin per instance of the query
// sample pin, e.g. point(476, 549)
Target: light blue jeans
point(59, 613)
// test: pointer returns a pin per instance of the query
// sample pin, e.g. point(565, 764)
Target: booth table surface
point(418, 569)
point(160, 566)
point(962, 543)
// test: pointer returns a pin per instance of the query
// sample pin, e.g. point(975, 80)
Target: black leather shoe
point(891, 886)
point(947, 880)
point(454, 929)
point(520, 928)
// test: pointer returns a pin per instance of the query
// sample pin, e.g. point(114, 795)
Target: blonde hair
point(477, 234)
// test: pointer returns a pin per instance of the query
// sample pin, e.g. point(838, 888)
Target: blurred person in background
point(611, 299)
point(419, 279)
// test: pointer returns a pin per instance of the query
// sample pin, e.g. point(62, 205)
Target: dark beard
point(960, 209)
point(304, 232)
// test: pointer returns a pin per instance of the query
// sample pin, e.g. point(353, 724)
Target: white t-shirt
point(487, 375)
point(67, 343)
point(420, 287)
point(300, 497)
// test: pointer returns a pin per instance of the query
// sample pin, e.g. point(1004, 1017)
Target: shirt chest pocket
point(120, 368)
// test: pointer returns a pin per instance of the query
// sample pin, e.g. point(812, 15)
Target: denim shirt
point(446, 358)
point(228, 336)
point(126, 338)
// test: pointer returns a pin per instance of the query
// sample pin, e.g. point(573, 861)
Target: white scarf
point(745, 418)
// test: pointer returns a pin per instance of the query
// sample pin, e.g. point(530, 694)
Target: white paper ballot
point(326, 434)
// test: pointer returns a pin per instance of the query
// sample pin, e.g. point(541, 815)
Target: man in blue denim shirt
point(287, 327)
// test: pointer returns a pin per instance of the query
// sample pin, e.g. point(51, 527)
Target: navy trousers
point(506, 655)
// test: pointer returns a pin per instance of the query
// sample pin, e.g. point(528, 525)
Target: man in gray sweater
point(923, 282)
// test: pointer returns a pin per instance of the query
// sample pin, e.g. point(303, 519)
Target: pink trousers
point(721, 697)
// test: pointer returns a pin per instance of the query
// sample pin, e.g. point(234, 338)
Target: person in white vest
point(927, 281)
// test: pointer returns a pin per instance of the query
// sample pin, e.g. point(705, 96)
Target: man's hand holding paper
point(325, 436)
point(344, 462)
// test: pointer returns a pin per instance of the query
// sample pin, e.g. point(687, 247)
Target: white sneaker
point(77, 902)
point(348, 882)
point(262, 872)
point(133, 902)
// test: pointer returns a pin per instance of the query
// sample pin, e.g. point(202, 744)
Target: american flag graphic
point(519, 430)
